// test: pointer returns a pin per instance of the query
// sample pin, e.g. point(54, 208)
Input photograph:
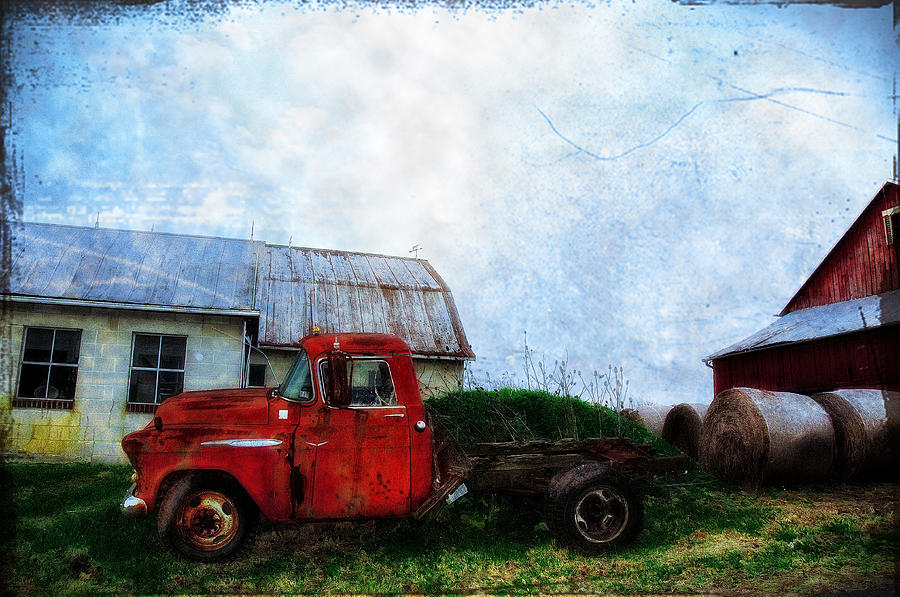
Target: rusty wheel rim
point(601, 514)
point(208, 520)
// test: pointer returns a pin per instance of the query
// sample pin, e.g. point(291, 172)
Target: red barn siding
point(867, 359)
point(861, 264)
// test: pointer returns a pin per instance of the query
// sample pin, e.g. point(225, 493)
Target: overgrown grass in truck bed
point(476, 416)
point(70, 539)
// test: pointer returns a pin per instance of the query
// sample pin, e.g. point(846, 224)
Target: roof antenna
point(415, 250)
point(252, 223)
point(97, 223)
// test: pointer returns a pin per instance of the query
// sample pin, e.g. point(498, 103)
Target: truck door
point(362, 460)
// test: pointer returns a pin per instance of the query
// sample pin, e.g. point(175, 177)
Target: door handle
point(398, 415)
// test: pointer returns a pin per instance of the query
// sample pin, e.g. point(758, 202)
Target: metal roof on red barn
point(825, 321)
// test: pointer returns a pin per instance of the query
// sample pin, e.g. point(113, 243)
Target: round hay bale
point(632, 415)
point(865, 440)
point(652, 417)
point(682, 427)
point(753, 437)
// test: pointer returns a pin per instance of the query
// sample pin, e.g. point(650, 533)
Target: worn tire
point(207, 519)
point(592, 508)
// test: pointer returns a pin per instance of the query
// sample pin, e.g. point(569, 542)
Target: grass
point(699, 536)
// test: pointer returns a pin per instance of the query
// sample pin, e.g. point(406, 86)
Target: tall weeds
point(609, 389)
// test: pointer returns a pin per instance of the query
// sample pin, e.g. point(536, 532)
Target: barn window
point(49, 368)
point(257, 378)
point(891, 224)
point(157, 370)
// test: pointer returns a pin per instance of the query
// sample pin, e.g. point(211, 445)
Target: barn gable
point(842, 328)
point(861, 264)
point(336, 291)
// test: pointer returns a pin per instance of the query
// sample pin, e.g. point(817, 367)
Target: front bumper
point(133, 506)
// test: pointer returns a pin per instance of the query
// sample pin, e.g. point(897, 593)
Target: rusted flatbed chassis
point(526, 468)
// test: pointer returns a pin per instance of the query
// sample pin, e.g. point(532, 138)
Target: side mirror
point(337, 382)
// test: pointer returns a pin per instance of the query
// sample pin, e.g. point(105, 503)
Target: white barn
point(99, 326)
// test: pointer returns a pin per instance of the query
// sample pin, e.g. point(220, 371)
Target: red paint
point(867, 359)
point(355, 463)
point(861, 264)
point(362, 469)
point(249, 405)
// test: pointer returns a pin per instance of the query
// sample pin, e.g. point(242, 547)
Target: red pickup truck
point(346, 437)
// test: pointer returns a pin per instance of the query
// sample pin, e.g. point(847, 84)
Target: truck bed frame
point(526, 468)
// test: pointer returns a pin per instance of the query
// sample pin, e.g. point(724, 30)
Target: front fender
point(260, 464)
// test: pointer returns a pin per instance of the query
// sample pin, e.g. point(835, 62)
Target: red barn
point(842, 328)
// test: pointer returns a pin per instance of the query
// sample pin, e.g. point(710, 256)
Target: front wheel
point(206, 520)
point(593, 508)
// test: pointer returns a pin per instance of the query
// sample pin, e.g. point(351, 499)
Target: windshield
point(298, 383)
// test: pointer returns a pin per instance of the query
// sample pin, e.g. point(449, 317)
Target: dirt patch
point(79, 565)
point(813, 506)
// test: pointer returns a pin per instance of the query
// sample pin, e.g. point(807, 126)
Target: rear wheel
point(206, 519)
point(592, 508)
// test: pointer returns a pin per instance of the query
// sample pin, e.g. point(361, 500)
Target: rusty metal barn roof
point(346, 292)
point(822, 322)
point(289, 288)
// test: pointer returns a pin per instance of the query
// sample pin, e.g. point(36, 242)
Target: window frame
point(891, 218)
point(249, 375)
point(46, 403)
point(150, 407)
point(385, 358)
point(313, 397)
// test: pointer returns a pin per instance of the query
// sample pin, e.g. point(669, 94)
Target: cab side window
point(371, 384)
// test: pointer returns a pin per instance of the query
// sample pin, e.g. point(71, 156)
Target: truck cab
point(344, 437)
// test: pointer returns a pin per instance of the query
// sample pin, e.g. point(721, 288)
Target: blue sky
point(632, 183)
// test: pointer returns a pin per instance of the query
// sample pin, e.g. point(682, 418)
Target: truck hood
point(244, 406)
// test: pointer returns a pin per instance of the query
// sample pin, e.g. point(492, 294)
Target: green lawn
point(69, 538)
